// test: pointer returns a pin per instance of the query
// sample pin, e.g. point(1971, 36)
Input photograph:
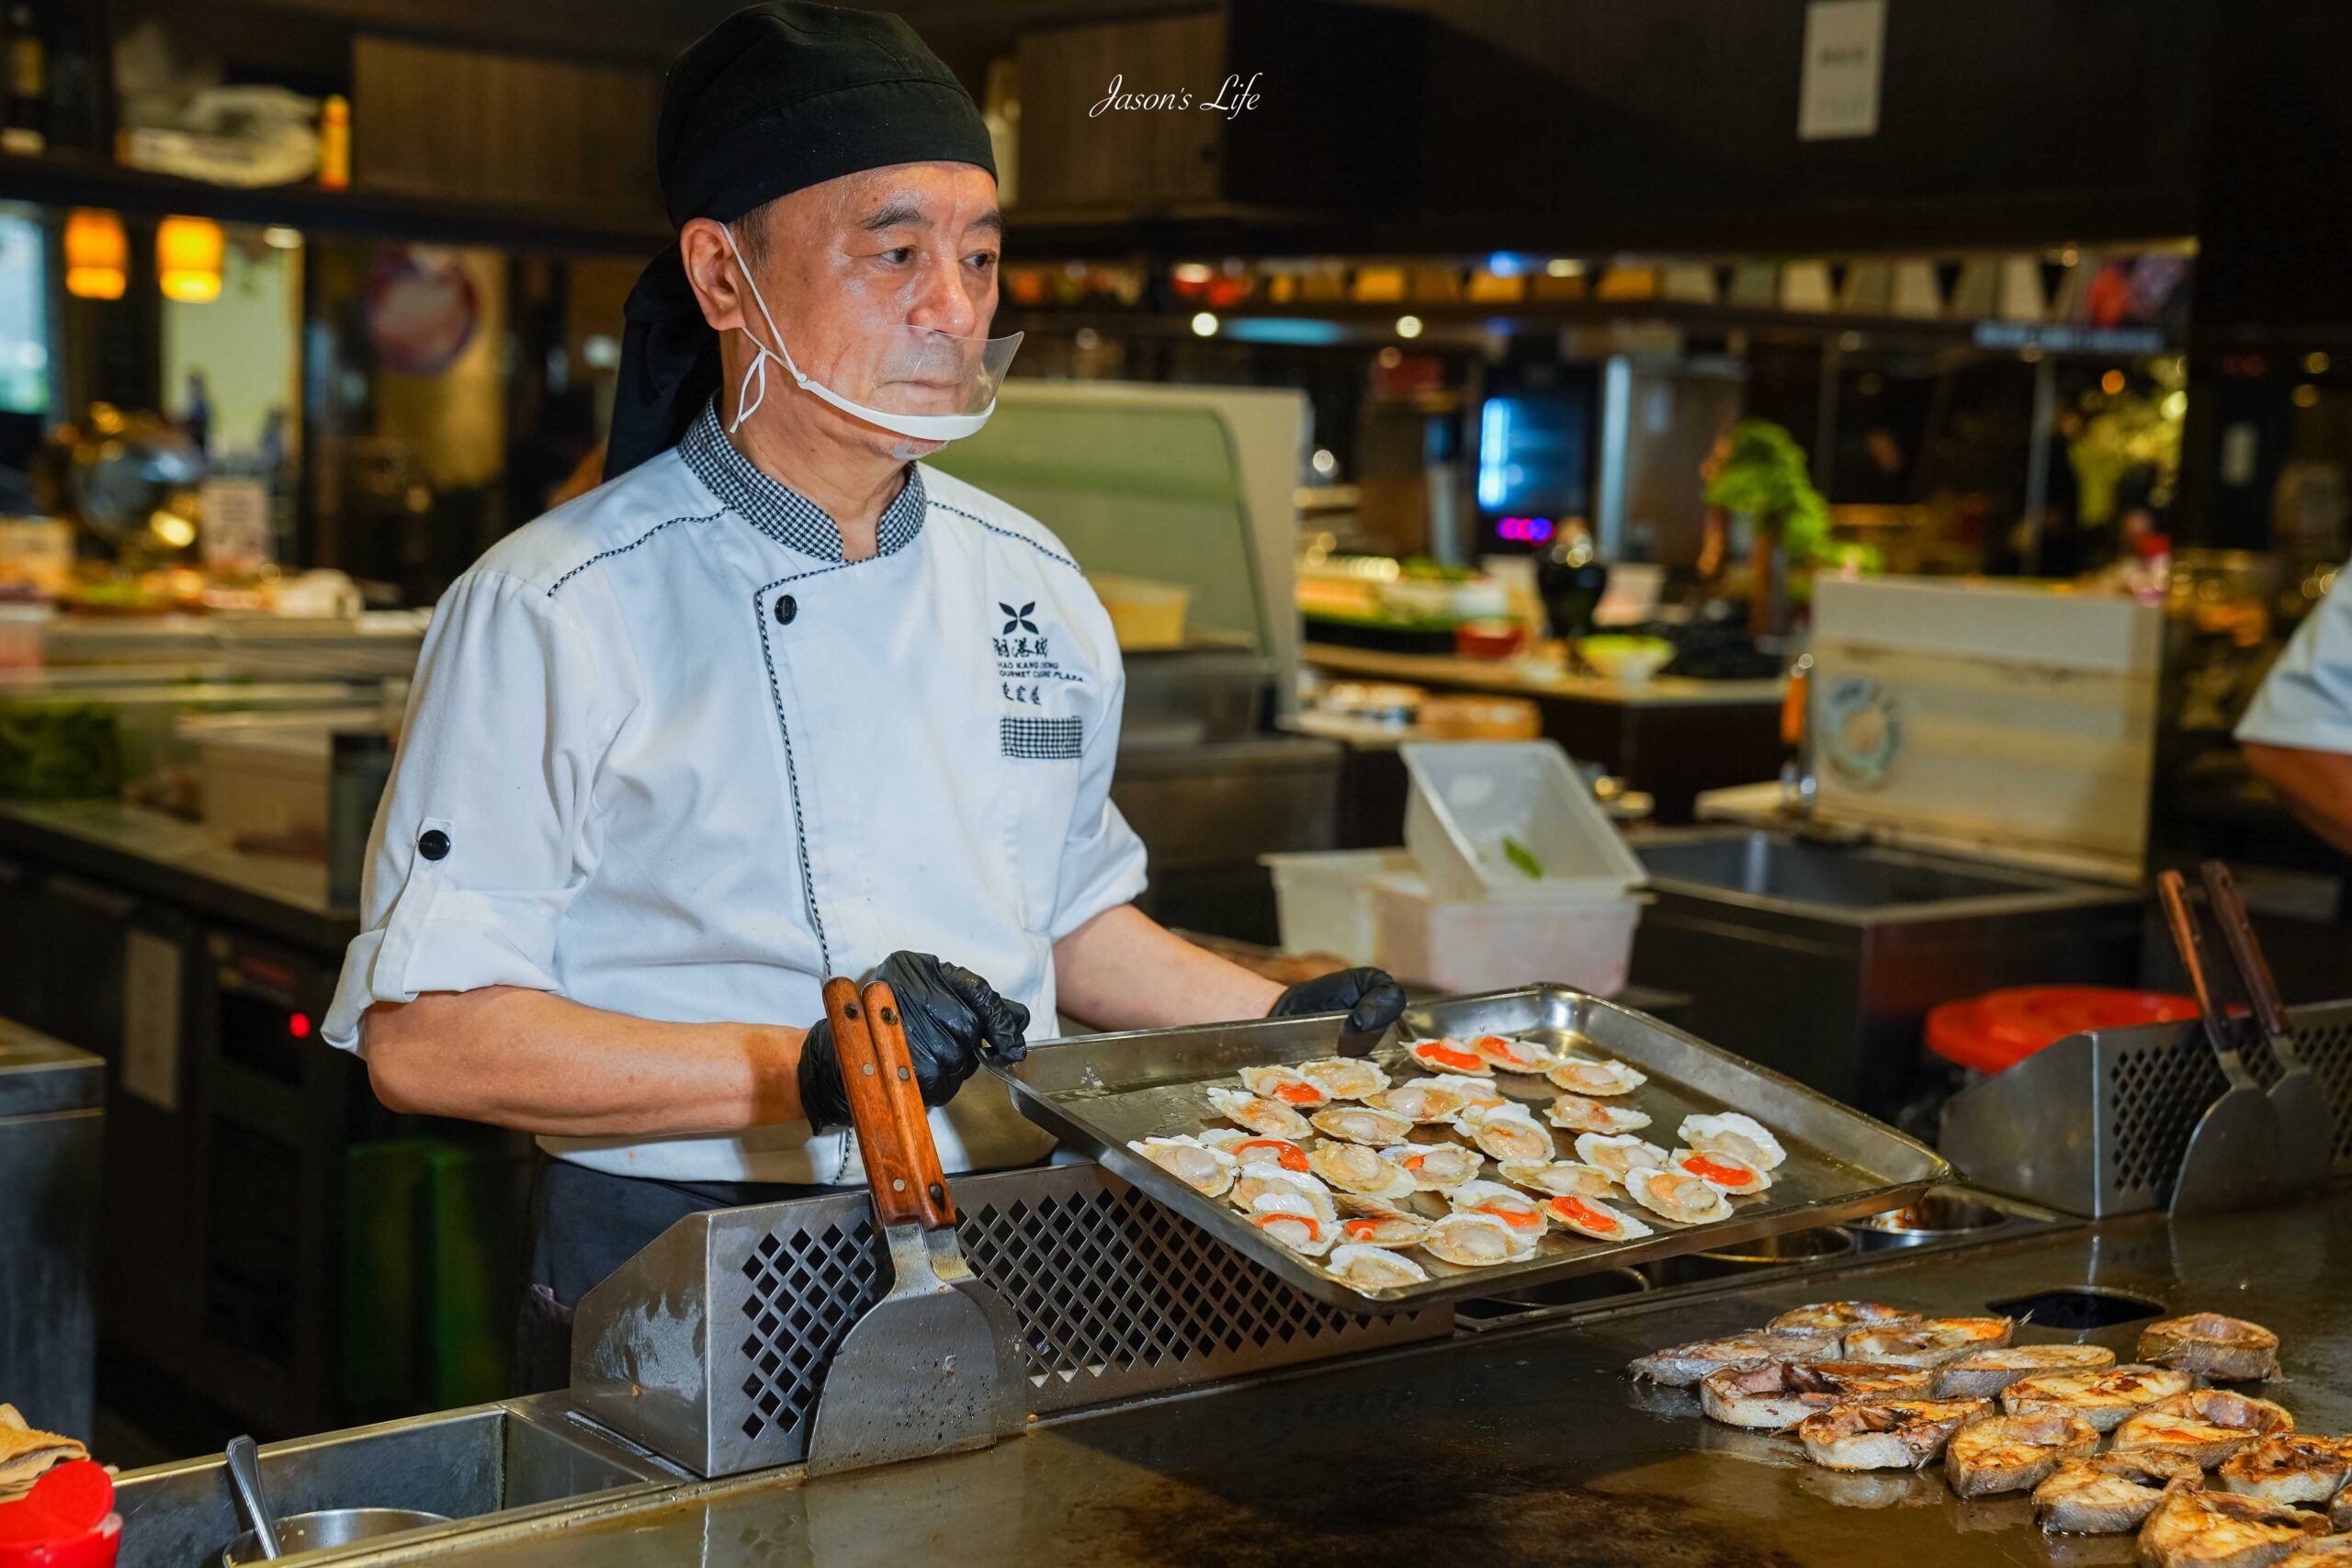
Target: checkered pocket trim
point(1041, 740)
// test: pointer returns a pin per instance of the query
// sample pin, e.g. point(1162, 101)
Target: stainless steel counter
point(1519, 1445)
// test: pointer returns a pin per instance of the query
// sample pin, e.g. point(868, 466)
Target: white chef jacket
point(668, 755)
point(2306, 700)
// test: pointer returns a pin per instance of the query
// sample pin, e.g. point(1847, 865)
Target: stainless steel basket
point(710, 1346)
point(2095, 1124)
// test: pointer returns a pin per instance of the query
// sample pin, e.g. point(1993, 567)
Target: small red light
point(298, 1025)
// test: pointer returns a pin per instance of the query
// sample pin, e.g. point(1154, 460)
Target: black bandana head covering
point(777, 98)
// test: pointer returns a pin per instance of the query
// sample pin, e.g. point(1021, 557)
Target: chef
point(2298, 731)
point(775, 702)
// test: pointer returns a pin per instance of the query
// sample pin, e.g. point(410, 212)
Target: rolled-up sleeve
point(1103, 861)
point(2306, 700)
point(486, 830)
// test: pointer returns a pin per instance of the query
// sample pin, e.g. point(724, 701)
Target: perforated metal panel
point(711, 1347)
point(2096, 1123)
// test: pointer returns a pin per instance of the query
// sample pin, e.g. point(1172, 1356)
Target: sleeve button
point(432, 843)
point(786, 607)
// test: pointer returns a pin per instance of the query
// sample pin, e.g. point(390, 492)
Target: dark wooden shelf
point(70, 180)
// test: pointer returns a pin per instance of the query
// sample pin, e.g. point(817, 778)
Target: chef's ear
point(712, 269)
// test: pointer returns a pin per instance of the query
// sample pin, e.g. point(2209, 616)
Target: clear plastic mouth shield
point(931, 385)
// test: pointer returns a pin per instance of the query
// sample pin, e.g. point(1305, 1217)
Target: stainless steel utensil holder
point(711, 1346)
point(2096, 1124)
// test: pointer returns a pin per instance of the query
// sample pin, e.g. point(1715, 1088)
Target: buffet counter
point(1519, 1444)
point(1669, 737)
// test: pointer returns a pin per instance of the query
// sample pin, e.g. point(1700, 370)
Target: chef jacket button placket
point(786, 607)
point(432, 843)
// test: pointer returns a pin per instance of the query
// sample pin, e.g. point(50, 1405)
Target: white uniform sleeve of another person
point(497, 765)
point(2306, 702)
point(1103, 861)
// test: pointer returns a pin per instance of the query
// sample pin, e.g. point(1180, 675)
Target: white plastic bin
point(1484, 946)
point(1469, 796)
point(1323, 900)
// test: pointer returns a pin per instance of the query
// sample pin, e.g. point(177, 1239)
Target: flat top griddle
point(1098, 1092)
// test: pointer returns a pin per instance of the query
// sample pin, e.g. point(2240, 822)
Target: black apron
point(584, 1224)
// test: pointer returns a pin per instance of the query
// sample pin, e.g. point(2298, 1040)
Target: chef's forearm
point(2316, 785)
point(537, 1063)
point(1124, 970)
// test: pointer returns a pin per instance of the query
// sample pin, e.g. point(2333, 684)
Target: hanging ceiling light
point(188, 259)
point(98, 256)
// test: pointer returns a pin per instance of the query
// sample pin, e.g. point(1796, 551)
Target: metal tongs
point(2231, 1161)
point(936, 1365)
point(2306, 1127)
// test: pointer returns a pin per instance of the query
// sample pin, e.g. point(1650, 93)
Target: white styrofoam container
point(1486, 945)
point(1467, 797)
point(1323, 899)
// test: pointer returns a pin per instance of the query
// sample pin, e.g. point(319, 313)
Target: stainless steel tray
point(1099, 1091)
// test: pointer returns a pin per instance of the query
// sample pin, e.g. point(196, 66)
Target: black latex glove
point(1370, 999)
point(951, 1016)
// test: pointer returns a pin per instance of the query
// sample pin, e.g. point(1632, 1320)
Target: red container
point(2001, 1029)
point(1488, 640)
point(66, 1521)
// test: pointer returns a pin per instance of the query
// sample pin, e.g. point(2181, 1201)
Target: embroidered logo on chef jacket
point(1028, 668)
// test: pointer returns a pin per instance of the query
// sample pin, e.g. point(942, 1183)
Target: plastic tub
point(1482, 945)
point(1472, 801)
point(1323, 901)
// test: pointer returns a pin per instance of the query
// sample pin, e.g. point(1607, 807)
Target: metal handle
point(891, 1175)
point(90, 896)
point(2173, 890)
point(915, 1143)
point(2245, 949)
point(244, 1473)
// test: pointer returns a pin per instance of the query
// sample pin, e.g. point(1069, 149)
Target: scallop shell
point(1376, 1205)
point(1435, 1168)
point(1596, 1079)
point(1384, 1230)
point(1619, 1153)
point(1554, 1178)
point(1425, 1100)
point(1476, 1241)
point(1474, 1091)
point(1352, 1167)
point(1449, 1056)
point(1203, 1169)
point(1289, 1219)
point(1374, 1267)
point(1732, 1134)
point(1344, 1078)
point(1361, 1124)
point(1287, 1085)
point(1507, 1131)
point(1599, 1221)
point(1270, 1117)
point(1672, 1195)
point(1507, 1054)
point(1246, 1145)
point(1508, 1204)
point(1709, 1168)
point(1261, 1177)
point(1578, 1115)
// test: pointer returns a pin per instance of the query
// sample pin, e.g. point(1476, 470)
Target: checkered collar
point(779, 510)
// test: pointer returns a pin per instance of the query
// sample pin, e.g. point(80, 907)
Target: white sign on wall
point(1843, 56)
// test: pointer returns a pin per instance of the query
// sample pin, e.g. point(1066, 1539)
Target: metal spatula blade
point(916, 1376)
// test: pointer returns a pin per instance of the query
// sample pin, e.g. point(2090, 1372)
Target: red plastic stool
point(2001, 1029)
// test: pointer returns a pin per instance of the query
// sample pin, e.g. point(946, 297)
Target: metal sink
point(1821, 960)
point(1780, 869)
point(489, 1459)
